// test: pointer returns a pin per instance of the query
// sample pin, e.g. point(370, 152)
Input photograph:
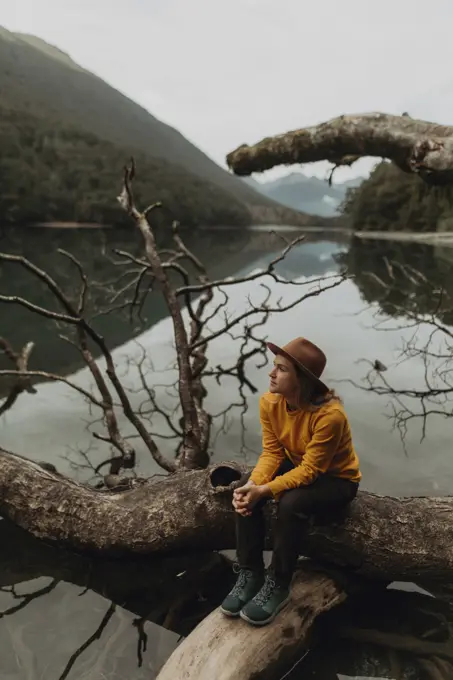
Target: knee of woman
point(290, 506)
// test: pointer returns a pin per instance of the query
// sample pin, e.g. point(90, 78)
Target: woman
point(308, 464)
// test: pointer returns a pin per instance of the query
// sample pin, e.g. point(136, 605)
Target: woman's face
point(283, 378)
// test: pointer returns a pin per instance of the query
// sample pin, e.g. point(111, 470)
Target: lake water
point(40, 634)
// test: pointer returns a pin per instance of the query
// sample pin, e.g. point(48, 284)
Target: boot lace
point(265, 592)
point(243, 577)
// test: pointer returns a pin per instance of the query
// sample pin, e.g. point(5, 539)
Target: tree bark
point(378, 537)
point(414, 145)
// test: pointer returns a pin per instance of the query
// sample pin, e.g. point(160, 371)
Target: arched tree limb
point(414, 145)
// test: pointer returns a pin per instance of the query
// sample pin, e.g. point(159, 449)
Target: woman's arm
point(328, 430)
point(272, 455)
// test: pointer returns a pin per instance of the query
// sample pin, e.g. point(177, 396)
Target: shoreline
point(217, 227)
point(68, 225)
point(441, 238)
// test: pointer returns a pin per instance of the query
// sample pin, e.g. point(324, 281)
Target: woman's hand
point(247, 496)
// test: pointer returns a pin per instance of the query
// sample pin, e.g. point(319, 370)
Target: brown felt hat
point(308, 357)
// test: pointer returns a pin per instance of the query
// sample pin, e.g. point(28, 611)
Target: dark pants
point(326, 493)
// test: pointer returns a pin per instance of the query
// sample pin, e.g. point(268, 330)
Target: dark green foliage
point(392, 200)
point(50, 171)
point(39, 79)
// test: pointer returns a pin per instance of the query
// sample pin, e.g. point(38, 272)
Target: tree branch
point(23, 383)
point(52, 377)
point(415, 146)
point(84, 331)
point(191, 422)
point(254, 309)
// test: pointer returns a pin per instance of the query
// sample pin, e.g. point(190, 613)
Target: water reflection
point(336, 320)
point(389, 633)
point(222, 251)
point(40, 636)
point(65, 616)
point(412, 273)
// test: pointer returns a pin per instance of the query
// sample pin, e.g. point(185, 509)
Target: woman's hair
point(310, 393)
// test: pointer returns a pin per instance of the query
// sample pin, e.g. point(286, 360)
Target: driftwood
point(413, 145)
point(230, 649)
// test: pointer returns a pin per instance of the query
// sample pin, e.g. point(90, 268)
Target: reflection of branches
point(429, 346)
point(142, 642)
point(27, 598)
point(96, 636)
point(238, 371)
point(153, 407)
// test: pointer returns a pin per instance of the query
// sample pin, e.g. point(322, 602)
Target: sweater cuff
point(276, 486)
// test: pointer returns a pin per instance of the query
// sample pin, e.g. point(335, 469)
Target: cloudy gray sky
point(225, 72)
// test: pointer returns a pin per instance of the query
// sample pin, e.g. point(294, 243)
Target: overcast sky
point(225, 72)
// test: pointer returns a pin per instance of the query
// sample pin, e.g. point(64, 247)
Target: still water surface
point(40, 635)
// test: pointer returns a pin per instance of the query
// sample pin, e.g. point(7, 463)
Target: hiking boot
point(247, 585)
point(266, 604)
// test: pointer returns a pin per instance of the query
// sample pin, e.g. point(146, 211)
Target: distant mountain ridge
point(307, 194)
point(48, 50)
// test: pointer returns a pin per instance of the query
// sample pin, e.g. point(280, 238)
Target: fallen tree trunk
point(414, 145)
point(379, 537)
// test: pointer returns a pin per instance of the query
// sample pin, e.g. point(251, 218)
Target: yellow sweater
point(317, 440)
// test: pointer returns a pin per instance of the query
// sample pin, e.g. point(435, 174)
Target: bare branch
point(15, 300)
point(254, 309)
point(52, 377)
point(83, 277)
point(193, 425)
point(85, 330)
point(192, 433)
point(22, 384)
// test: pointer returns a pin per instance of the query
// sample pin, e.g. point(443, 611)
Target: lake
point(54, 603)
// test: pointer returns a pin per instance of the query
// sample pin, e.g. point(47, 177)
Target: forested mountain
point(392, 200)
point(65, 135)
point(51, 171)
